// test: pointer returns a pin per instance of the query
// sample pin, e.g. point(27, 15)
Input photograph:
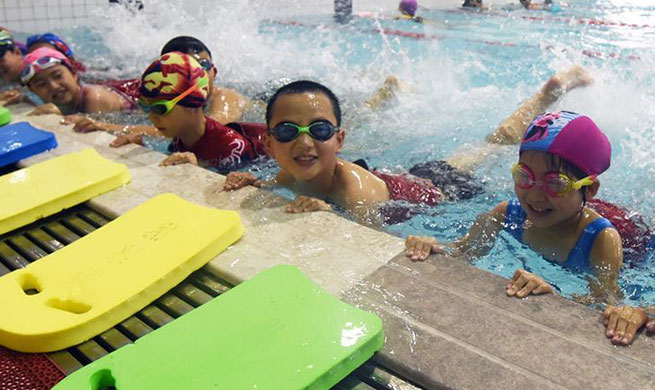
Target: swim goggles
point(320, 131)
point(45, 62)
point(554, 184)
point(164, 107)
point(205, 64)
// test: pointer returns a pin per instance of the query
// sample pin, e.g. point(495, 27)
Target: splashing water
point(468, 70)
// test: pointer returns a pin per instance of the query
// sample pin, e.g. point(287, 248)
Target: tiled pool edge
point(448, 324)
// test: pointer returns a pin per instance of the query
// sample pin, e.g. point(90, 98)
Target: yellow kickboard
point(53, 185)
point(101, 279)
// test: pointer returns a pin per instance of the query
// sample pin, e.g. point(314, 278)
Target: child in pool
point(555, 181)
point(53, 41)
point(547, 5)
point(11, 55)
point(309, 164)
point(408, 9)
point(50, 75)
point(224, 104)
point(174, 91)
point(34, 42)
point(304, 136)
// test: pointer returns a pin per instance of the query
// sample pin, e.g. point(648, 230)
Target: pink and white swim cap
point(571, 136)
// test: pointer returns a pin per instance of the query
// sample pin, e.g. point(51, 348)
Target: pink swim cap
point(571, 136)
point(41, 59)
point(408, 6)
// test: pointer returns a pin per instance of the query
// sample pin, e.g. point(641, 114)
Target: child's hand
point(45, 109)
point(420, 247)
point(305, 204)
point(237, 180)
point(523, 283)
point(179, 158)
point(82, 124)
point(13, 96)
point(623, 322)
point(122, 140)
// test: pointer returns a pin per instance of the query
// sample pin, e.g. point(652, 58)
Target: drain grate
point(25, 245)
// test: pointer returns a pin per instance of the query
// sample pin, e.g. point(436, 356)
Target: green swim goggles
point(320, 131)
point(164, 107)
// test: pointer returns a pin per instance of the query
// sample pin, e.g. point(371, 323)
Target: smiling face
point(542, 210)
point(56, 85)
point(304, 157)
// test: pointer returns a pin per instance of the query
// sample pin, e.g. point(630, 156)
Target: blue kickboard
point(22, 140)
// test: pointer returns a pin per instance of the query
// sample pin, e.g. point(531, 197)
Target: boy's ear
point(267, 142)
point(592, 190)
point(341, 135)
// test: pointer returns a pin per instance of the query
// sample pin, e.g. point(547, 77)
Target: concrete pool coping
point(448, 324)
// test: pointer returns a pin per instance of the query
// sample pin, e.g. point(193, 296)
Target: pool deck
point(448, 325)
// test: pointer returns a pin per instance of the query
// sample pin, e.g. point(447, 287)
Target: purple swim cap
point(408, 6)
point(571, 136)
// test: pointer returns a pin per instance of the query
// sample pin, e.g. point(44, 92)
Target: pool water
point(469, 70)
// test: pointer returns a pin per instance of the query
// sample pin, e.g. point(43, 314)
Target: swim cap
point(571, 136)
point(53, 40)
point(408, 6)
point(171, 75)
point(5, 37)
point(41, 59)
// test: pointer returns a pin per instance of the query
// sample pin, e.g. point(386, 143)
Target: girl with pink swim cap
point(555, 214)
point(50, 75)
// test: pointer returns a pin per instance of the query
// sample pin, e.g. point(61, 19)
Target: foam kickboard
point(5, 116)
point(101, 279)
point(22, 140)
point(274, 331)
point(53, 185)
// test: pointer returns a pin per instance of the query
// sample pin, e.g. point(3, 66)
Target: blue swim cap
point(53, 40)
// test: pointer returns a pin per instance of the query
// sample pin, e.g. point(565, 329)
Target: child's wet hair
point(185, 44)
point(304, 86)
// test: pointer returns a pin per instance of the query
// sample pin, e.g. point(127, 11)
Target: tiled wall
point(41, 15)
point(33, 16)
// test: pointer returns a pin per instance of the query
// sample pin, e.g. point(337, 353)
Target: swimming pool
point(469, 71)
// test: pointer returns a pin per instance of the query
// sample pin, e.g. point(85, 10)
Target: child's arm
point(623, 322)
point(98, 99)
point(14, 96)
point(481, 238)
point(607, 258)
point(476, 243)
point(238, 180)
point(524, 283)
point(45, 109)
point(84, 124)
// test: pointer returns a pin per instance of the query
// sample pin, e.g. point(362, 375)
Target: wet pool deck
point(448, 324)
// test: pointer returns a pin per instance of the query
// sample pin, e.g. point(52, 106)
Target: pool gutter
point(448, 325)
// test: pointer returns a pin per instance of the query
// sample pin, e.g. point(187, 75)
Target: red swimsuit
point(223, 147)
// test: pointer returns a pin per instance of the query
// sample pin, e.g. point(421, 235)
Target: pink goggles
point(554, 184)
point(30, 69)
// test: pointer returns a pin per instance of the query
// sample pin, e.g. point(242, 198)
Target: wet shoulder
point(358, 184)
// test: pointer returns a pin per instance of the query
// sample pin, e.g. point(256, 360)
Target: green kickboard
point(277, 331)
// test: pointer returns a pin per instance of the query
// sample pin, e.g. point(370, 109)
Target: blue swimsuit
point(579, 256)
